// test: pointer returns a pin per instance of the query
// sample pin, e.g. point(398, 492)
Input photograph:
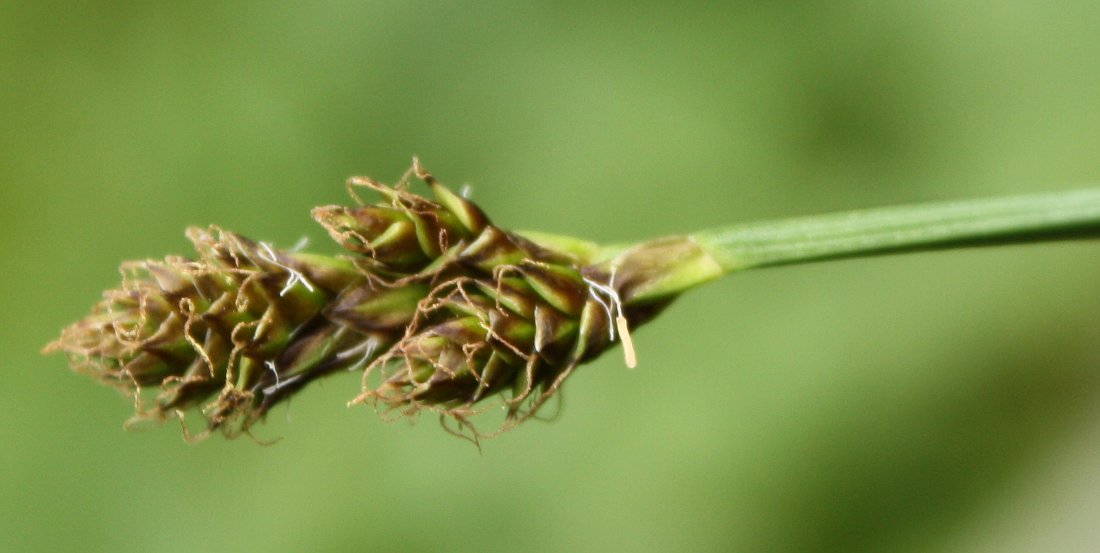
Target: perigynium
point(444, 311)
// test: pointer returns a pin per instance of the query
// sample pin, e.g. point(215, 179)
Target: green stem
point(931, 226)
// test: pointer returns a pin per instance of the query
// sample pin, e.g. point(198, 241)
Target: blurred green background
point(932, 402)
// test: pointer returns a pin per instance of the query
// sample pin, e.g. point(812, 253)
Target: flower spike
point(439, 307)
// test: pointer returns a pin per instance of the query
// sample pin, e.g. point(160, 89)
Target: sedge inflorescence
point(438, 307)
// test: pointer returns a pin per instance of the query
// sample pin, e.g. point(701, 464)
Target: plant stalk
point(930, 226)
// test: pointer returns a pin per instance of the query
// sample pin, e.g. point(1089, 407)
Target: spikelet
point(228, 334)
point(501, 316)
